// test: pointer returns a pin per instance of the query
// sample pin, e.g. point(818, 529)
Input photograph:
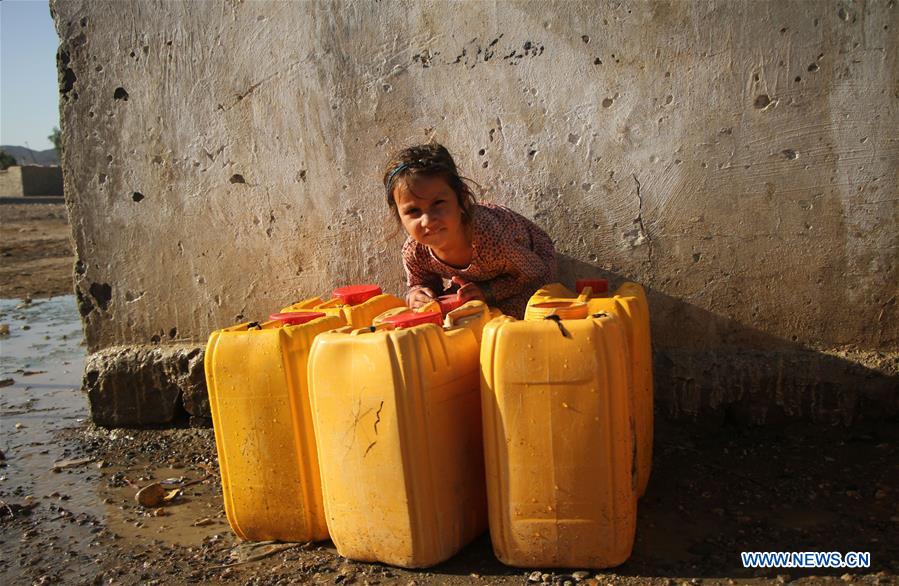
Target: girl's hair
point(428, 160)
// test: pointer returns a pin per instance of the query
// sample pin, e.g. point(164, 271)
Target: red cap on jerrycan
point(596, 285)
point(449, 302)
point(355, 294)
point(295, 318)
point(408, 319)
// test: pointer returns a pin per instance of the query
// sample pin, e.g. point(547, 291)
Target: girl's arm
point(419, 280)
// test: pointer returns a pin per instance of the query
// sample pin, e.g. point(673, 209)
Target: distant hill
point(26, 156)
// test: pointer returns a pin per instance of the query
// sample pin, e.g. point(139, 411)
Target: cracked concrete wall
point(738, 158)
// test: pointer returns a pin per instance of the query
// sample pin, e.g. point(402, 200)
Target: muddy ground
point(35, 250)
point(68, 513)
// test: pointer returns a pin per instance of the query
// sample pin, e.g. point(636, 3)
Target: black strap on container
point(558, 321)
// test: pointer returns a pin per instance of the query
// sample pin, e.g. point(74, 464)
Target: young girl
point(483, 251)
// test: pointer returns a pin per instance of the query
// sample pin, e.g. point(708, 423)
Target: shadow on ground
point(798, 487)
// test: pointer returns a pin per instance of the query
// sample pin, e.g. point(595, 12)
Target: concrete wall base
point(758, 387)
point(135, 386)
point(145, 385)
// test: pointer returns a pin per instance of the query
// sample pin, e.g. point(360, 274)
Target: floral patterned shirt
point(511, 258)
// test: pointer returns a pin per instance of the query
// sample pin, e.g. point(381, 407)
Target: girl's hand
point(469, 291)
point(419, 297)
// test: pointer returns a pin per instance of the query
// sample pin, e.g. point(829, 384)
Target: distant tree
point(56, 138)
point(6, 160)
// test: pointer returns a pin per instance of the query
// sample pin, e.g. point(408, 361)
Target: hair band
point(393, 174)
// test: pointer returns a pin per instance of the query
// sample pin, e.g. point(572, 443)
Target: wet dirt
point(68, 512)
point(36, 251)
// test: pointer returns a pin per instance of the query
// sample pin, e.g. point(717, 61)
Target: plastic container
point(449, 302)
point(356, 294)
point(397, 413)
point(471, 314)
point(389, 317)
point(408, 319)
point(295, 318)
point(257, 383)
point(599, 287)
point(560, 309)
point(558, 442)
point(357, 305)
point(629, 303)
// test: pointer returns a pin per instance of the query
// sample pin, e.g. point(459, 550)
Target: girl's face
point(431, 215)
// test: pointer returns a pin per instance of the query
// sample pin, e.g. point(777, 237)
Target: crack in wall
point(643, 231)
point(239, 97)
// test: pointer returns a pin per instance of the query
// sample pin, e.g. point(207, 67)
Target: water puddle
point(79, 511)
point(41, 361)
point(189, 518)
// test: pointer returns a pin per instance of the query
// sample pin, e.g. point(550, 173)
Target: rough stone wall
point(738, 158)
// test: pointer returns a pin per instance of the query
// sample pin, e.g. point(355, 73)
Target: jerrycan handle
point(467, 310)
point(429, 307)
point(557, 309)
point(371, 329)
point(333, 302)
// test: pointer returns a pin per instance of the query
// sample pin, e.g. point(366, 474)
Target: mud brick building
point(18, 181)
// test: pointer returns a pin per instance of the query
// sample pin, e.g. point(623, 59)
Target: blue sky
point(29, 95)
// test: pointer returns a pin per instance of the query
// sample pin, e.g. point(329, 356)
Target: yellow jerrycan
point(397, 413)
point(559, 439)
point(257, 384)
point(473, 315)
point(357, 305)
point(629, 303)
